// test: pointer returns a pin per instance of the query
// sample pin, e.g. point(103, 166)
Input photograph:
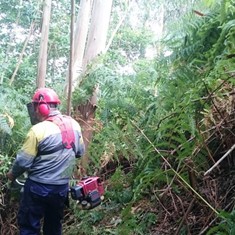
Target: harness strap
point(67, 133)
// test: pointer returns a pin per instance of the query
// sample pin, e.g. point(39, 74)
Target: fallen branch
point(221, 159)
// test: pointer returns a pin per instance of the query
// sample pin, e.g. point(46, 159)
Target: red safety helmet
point(44, 97)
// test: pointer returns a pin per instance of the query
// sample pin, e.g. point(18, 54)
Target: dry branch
point(221, 159)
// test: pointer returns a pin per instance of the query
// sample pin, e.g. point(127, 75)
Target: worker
point(48, 155)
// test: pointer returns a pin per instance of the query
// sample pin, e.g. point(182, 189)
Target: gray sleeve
point(21, 164)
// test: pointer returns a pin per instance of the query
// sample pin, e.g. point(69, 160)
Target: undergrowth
point(162, 128)
point(168, 122)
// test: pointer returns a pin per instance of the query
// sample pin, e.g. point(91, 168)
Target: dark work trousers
point(42, 201)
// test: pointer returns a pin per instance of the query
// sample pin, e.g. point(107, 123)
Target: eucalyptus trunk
point(42, 60)
point(98, 30)
point(96, 42)
point(80, 38)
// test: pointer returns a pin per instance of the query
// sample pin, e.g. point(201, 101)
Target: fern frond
point(4, 126)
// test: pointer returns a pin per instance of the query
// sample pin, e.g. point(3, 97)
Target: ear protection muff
point(43, 107)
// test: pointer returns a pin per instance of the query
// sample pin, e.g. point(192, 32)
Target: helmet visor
point(32, 114)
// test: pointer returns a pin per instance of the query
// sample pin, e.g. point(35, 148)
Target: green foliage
point(133, 42)
point(15, 20)
point(87, 221)
point(4, 164)
point(4, 125)
point(81, 95)
point(226, 226)
point(148, 109)
point(119, 190)
point(14, 120)
point(135, 223)
point(129, 224)
point(24, 11)
point(165, 100)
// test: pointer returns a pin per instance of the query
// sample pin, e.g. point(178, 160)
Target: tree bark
point(80, 38)
point(86, 118)
point(70, 80)
point(96, 42)
point(98, 30)
point(42, 60)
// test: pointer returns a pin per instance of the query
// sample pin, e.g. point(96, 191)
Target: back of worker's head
point(44, 99)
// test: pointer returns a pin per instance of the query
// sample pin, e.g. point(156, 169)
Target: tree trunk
point(95, 45)
point(98, 30)
point(42, 60)
point(80, 37)
point(70, 77)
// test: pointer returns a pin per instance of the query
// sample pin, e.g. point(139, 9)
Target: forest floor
point(175, 213)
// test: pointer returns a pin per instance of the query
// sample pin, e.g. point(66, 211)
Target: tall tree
point(95, 45)
point(98, 30)
point(80, 37)
point(71, 57)
point(42, 59)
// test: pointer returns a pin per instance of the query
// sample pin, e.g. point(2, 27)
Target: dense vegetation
point(161, 123)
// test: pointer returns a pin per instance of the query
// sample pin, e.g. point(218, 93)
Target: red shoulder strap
point(65, 125)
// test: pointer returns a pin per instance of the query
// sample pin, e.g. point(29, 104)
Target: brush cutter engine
point(88, 192)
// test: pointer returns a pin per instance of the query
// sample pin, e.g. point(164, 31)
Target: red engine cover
point(90, 184)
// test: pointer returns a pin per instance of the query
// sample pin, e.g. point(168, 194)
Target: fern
point(226, 226)
point(13, 108)
point(165, 100)
point(4, 126)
